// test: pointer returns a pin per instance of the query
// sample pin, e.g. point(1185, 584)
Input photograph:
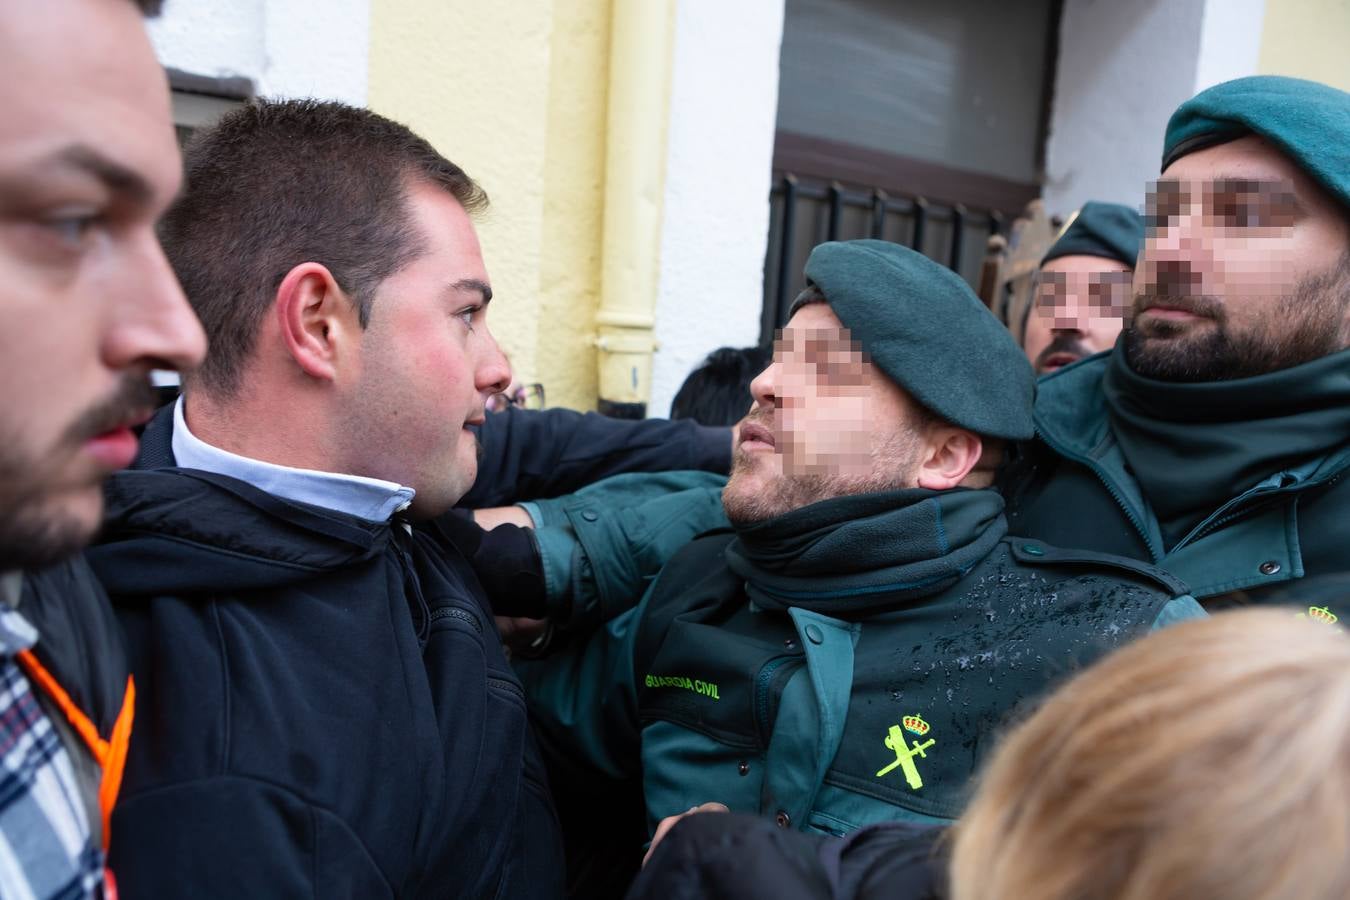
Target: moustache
point(132, 401)
point(1063, 343)
point(759, 416)
point(1173, 284)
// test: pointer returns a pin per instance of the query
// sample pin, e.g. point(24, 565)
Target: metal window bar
point(798, 202)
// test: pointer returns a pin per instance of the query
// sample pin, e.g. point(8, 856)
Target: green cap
point(1108, 230)
point(924, 327)
point(1309, 122)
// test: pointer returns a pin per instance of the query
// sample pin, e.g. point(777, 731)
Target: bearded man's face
point(825, 423)
point(1245, 269)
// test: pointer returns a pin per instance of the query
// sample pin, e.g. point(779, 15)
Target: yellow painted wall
point(516, 94)
point(1307, 39)
point(574, 200)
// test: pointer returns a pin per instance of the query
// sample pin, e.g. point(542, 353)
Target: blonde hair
point(1209, 760)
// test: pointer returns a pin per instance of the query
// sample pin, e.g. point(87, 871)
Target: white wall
point(1230, 41)
point(1124, 66)
point(288, 48)
point(723, 105)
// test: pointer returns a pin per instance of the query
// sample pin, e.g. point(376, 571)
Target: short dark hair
point(279, 183)
point(717, 392)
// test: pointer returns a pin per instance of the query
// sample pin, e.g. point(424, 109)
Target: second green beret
point(1108, 230)
point(924, 327)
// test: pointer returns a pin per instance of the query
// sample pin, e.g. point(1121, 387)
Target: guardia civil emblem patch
point(905, 755)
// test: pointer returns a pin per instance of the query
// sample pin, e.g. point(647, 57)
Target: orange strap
point(110, 754)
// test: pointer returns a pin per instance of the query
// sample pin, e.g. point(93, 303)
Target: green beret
point(1309, 122)
point(1108, 230)
point(924, 327)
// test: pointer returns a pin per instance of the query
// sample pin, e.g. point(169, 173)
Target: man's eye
point(1236, 210)
point(1162, 207)
point(1161, 214)
point(71, 230)
point(466, 316)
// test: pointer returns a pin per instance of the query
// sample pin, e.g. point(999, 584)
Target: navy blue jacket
point(728, 856)
point(324, 708)
point(534, 455)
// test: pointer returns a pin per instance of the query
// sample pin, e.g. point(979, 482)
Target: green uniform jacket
point(1075, 487)
point(828, 722)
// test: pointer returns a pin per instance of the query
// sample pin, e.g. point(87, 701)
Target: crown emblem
point(915, 725)
point(1322, 614)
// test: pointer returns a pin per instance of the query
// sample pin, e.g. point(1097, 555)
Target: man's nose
point(494, 370)
point(149, 322)
point(762, 387)
point(1072, 314)
point(1181, 240)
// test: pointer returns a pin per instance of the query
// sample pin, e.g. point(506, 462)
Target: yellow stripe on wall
point(516, 93)
point(1307, 39)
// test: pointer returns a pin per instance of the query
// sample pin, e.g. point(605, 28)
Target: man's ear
point(317, 320)
point(951, 453)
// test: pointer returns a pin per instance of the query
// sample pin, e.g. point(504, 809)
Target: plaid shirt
point(46, 846)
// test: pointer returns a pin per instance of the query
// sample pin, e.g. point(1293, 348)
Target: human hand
point(502, 515)
point(669, 822)
point(523, 636)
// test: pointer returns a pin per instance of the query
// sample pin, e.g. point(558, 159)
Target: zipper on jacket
point(1222, 516)
point(763, 687)
point(509, 686)
point(1227, 513)
point(452, 612)
point(417, 603)
point(1110, 489)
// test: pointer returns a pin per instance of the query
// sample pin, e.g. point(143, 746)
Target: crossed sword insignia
point(904, 756)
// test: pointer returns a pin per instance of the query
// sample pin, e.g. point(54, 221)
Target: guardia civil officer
point(1083, 287)
point(1214, 439)
point(841, 651)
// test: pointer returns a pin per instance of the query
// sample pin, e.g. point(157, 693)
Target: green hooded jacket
point(850, 662)
point(1268, 518)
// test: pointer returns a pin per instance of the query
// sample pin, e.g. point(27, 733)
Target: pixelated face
point(825, 423)
point(88, 163)
point(428, 363)
point(1080, 305)
point(1245, 268)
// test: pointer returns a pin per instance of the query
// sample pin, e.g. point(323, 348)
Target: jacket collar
point(366, 498)
point(868, 552)
point(1073, 419)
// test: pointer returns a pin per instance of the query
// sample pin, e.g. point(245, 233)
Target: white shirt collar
point(365, 498)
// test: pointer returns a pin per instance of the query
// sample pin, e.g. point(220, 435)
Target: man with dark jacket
point(1214, 439)
point(326, 709)
point(842, 653)
point(88, 162)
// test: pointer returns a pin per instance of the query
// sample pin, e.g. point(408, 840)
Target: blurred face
point(1080, 306)
point(428, 363)
point(88, 162)
point(825, 423)
point(1244, 270)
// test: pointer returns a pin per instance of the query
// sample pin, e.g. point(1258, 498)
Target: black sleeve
point(505, 559)
point(79, 641)
point(537, 454)
point(719, 856)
